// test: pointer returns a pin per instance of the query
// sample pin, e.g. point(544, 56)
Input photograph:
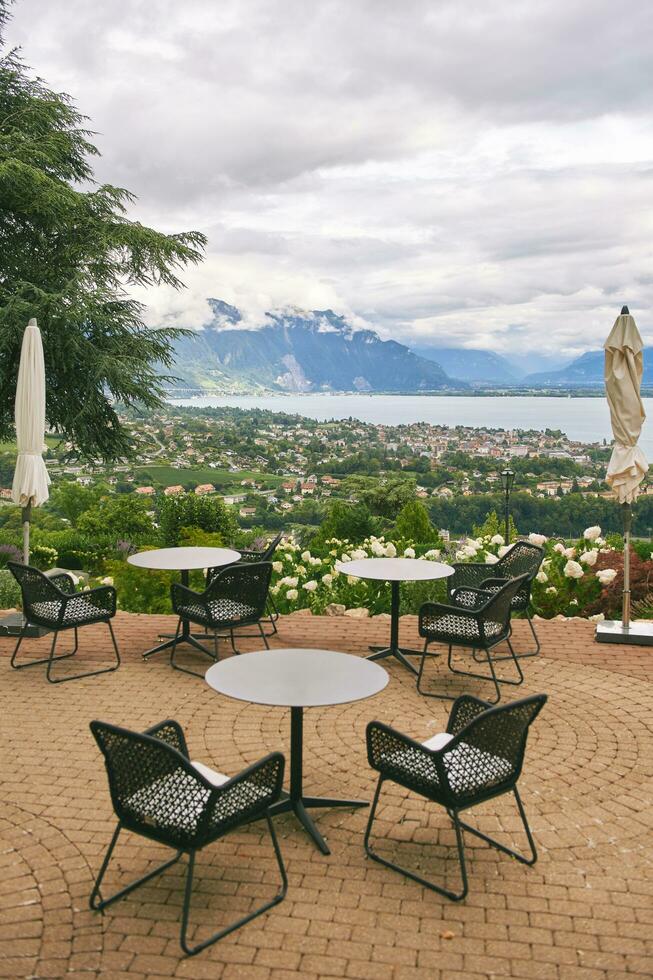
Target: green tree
point(188, 510)
point(70, 500)
point(125, 518)
point(413, 523)
point(68, 255)
point(344, 520)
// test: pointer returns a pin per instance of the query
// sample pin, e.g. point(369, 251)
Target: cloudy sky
point(471, 173)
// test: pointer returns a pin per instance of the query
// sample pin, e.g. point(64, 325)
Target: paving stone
point(583, 911)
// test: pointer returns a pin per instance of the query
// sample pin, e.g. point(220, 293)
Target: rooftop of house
point(583, 910)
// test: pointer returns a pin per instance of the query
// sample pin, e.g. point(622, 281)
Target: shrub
point(43, 557)
point(187, 510)
point(9, 591)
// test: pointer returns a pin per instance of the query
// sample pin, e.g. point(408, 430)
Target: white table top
point(297, 678)
point(184, 559)
point(395, 569)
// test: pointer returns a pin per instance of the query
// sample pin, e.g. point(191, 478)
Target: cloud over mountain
point(454, 173)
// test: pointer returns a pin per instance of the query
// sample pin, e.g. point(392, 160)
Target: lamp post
point(507, 480)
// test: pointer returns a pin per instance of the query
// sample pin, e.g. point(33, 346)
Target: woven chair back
point(498, 610)
point(154, 789)
point(242, 584)
point(34, 585)
point(494, 744)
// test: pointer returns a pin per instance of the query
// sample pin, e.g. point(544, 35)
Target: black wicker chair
point(476, 620)
point(53, 604)
point(523, 558)
point(236, 596)
point(250, 558)
point(159, 793)
point(478, 758)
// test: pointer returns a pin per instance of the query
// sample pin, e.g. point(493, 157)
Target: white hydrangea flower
point(103, 581)
point(292, 594)
point(315, 561)
point(503, 550)
point(300, 570)
point(433, 554)
point(592, 533)
point(306, 556)
point(358, 554)
point(291, 581)
point(542, 577)
point(599, 542)
point(569, 552)
point(390, 550)
point(345, 557)
point(589, 557)
point(552, 590)
point(538, 539)
point(573, 570)
point(497, 539)
point(469, 551)
point(409, 553)
point(310, 586)
point(277, 566)
point(491, 559)
point(606, 575)
point(274, 589)
point(559, 548)
point(327, 579)
point(597, 618)
point(352, 580)
point(377, 549)
point(460, 556)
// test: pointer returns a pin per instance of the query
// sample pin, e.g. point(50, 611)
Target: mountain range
point(318, 350)
point(295, 350)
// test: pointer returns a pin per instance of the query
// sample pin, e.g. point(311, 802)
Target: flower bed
point(578, 579)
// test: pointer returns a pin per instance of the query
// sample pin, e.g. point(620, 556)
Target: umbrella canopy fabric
point(623, 376)
point(31, 480)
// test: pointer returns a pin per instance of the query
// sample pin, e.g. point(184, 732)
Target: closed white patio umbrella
point(31, 480)
point(628, 465)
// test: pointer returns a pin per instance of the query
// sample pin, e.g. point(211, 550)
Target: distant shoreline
point(178, 393)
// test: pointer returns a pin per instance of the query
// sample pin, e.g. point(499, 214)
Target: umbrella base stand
point(614, 631)
point(14, 625)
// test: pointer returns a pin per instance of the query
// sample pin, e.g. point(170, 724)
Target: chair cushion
point(438, 741)
point(214, 777)
point(451, 628)
point(78, 611)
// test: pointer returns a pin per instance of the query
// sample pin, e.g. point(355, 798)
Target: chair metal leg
point(193, 950)
point(454, 896)
point(493, 676)
point(198, 646)
point(501, 847)
point(89, 673)
point(420, 673)
point(96, 902)
point(43, 660)
point(263, 636)
point(529, 653)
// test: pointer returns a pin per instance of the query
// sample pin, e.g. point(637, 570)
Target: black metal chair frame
point(168, 738)
point(477, 608)
point(522, 558)
point(259, 572)
point(249, 558)
point(429, 776)
point(58, 591)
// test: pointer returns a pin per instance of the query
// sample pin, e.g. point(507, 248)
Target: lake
point(582, 419)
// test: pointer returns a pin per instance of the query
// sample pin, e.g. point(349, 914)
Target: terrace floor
point(584, 911)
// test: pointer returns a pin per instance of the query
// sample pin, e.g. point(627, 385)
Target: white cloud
point(469, 174)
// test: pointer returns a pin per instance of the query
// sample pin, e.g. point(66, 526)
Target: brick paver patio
point(584, 911)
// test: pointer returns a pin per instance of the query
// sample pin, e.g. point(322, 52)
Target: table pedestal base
point(295, 801)
point(184, 637)
point(394, 650)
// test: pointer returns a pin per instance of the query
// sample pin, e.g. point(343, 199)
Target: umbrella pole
point(625, 609)
point(26, 515)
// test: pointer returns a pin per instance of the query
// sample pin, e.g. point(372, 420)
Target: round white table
point(299, 679)
point(395, 570)
point(182, 560)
